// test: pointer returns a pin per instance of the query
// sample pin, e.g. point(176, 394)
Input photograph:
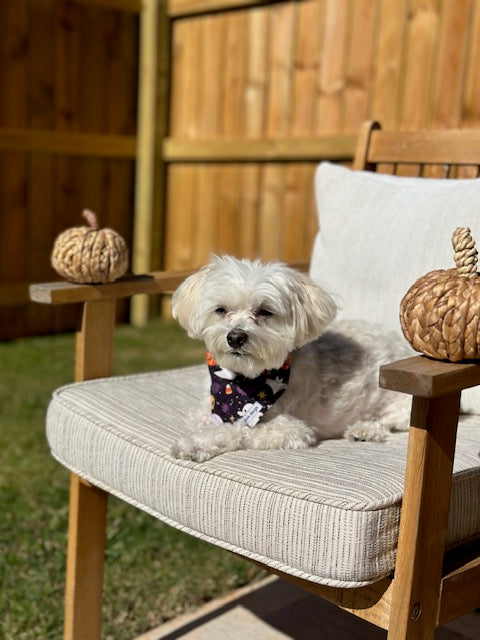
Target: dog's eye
point(221, 311)
point(264, 312)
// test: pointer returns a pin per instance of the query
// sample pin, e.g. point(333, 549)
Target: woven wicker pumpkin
point(440, 313)
point(89, 254)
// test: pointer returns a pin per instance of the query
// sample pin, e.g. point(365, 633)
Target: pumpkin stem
point(91, 218)
point(466, 256)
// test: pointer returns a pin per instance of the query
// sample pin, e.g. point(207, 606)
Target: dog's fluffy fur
point(333, 388)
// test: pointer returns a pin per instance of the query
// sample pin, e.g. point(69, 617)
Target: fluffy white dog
point(278, 379)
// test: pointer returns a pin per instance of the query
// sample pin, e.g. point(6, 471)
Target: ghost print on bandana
point(234, 396)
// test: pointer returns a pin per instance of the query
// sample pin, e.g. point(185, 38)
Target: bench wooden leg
point(85, 561)
point(88, 505)
point(425, 508)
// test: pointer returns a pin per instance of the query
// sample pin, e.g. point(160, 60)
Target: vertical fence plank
point(306, 66)
point(471, 89)
point(186, 81)
point(254, 104)
point(184, 122)
point(92, 80)
point(41, 178)
point(230, 216)
point(13, 166)
point(422, 36)
point(180, 230)
point(67, 60)
point(228, 219)
point(67, 69)
point(421, 46)
point(389, 59)
point(118, 115)
point(359, 65)
point(471, 95)
point(279, 104)
point(119, 111)
point(332, 73)
point(305, 72)
point(447, 92)
point(211, 68)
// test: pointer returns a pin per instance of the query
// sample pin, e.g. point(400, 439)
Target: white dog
point(278, 379)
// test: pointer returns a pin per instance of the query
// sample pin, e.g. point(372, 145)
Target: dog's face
point(251, 315)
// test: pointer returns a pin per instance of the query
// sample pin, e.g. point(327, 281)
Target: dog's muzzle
point(236, 338)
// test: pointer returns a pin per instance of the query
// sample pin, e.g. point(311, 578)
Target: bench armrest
point(428, 378)
point(67, 292)
point(62, 292)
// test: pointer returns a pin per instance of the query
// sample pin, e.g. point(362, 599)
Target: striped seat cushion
point(328, 514)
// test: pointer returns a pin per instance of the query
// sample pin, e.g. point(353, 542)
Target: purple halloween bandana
point(234, 396)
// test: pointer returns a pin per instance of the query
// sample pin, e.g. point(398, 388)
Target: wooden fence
point(292, 73)
point(250, 94)
point(68, 111)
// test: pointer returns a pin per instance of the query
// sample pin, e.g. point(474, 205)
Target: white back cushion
point(379, 233)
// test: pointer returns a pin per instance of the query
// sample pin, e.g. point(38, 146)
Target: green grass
point(152, 571)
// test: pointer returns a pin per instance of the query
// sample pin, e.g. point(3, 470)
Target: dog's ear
point(313, 309)
point(186, 302)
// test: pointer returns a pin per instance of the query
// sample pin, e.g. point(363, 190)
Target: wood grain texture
point(337, 147)
point(87, 514)
point(428, 378)
point(68, 293)
point(459, 590)
point(85, 561)
point(423, 523)
point(277, 75)
point(60, 148)
point(306, 70)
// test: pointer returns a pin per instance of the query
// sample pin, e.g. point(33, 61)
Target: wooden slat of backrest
point(431, 147)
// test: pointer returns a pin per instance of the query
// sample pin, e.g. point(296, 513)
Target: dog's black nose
point(236, 338)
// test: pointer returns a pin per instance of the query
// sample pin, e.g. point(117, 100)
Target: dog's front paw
point(187, 448)
point(365, 431)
